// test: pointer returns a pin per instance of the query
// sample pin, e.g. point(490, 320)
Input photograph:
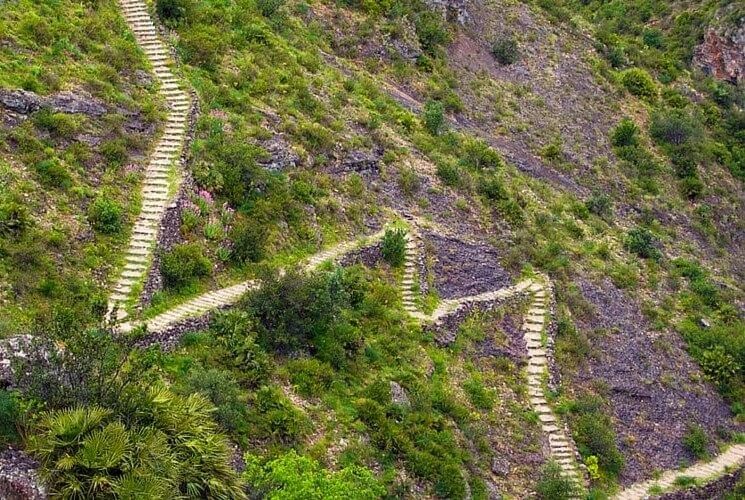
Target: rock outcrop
point(722, 53)
point(453, 10)
point(25, 102)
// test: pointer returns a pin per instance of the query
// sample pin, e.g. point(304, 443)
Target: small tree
point(394, 247)
point(172, 12)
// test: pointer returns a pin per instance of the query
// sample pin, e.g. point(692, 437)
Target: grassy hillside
point(577, 139)
point(70, 154)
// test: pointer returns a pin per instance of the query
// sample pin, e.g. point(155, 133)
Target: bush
point(638, 82)
point(505, 51)
point(105, 215)
point(273, 416)
point(625, 134)
point(115, 152)
point(172, 12)
point(235, 331)
point(269, 8)
point(59, 124)
point(310, 376)
point(719, 365)
point(553, 485)
point(696, 441)
point(249, 241)
point(202, 45)
point(448, 173)
point(295, 477)
point(477, 154)
point(53, 173)
point(480, 396)
point(492, 188)
point(643, 243)
point(14, 219)
point(163, 445)
point(434, 117)
point(431, 31)
point(600, 205)
point(394, 247)
point(225, 394)
point(673, 127)
point(9, 413)
point(183, 264)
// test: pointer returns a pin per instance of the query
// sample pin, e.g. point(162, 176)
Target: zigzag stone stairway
point(226, 297)
point(165, 157)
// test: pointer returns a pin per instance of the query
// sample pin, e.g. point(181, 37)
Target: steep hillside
point(446, 248)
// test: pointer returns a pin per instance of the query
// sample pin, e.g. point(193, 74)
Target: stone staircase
point(164, 160)
point(411, 261)
point(704, 472)
point(225, 297)
point(561, 445)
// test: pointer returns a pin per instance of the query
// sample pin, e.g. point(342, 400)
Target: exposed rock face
point(453, 10)
point(722, 54)
point(25, 102)
point(18, 479)
point(280, 155)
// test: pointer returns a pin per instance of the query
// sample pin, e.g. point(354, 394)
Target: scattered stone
point(705, 323)
point(18, 479)
point(399, 396)
point(280, 156)
point(500, 466)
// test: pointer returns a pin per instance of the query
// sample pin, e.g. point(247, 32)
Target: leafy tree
point(292, 476)
point(172, 12)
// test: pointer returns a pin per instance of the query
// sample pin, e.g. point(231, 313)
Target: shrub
point(719, 365)
point(53, 173)
point(105, 215)
point(249, 241)
point(409, 181)
point(625, 134)
point(434, 117)
point(310, 376)
point(163, 444)
point(431, 31)
point(691, 187)
point(274, 416)
point(183, 264)
point(696, 441)
point(448, 173)
point(202, 45)
point(59, 124)
point(172, 12)
point(643, 243)
point(394, 247)
point(638, 82)
point(115, 152)
point(235, 331)
point(14, 218)
point(269, 8)
point(295, 477)
point(554, 485)
point(9, 413)
point(480, 396)
point(505, 51)
point(594, 435)
point(673, 126)
point(477, 154)
point(224, 393)
point(600, 204)
point(492, 188)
